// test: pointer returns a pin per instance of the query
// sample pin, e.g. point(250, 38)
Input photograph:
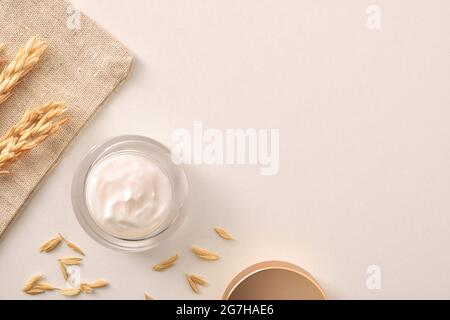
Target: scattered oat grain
point(70, 292)
point(45, 287)
point(72, 246)
point(50, 244)
point(198, 280)
point(70, 261)
point(63, 269)
point(32, 282)
point(85, 288)
point(98, 284)
point(193, 285)
point(166, 263)
point(34, 292)
point(205, 254)
point(148, 297)
point(223, 234)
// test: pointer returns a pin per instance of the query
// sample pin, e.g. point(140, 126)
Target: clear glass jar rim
point(141, 144)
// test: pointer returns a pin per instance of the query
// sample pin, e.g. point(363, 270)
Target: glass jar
point(160, 156)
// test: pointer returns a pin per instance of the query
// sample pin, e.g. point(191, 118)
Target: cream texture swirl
point(128, 195)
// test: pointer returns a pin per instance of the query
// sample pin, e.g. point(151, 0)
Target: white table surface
point(365, 146)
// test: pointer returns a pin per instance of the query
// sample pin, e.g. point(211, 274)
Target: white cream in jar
point(128, 195)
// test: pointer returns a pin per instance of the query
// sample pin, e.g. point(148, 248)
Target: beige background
point(365, 157)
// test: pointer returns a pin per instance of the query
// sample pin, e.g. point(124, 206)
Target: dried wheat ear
point(24, 61)
point(35, 126)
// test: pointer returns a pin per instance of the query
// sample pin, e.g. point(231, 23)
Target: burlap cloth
point(81, 67)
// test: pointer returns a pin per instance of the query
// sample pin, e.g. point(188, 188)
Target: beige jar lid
point(274, 280)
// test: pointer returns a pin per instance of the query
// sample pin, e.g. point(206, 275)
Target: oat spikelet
point(70, 292)
point(98, 284)
point(148, 297)
point(33, 286)
point(50, 244)
point(45, 287)
point(193, 285)
point(210, 257)
point(89, 287)
point(32, 282)
point(63, 271)
point(200, 251)
point(35, 126)
point(198, 280)
point(75, 248)
point(72, 246)
point(195, 281)
point(20, 66)
point(34, 292)
point(205, 254)
point(70, 261)
point(223, 234)
point(163, 265)
point(85, 288)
